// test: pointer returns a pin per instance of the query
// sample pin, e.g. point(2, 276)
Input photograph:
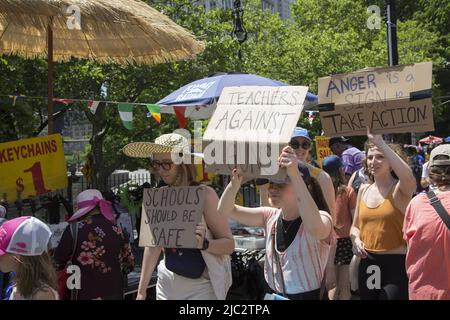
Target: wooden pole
point(50, 77)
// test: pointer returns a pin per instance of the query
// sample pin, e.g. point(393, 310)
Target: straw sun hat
point(171, 142)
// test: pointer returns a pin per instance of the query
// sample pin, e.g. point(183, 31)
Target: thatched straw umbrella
point(107, 31)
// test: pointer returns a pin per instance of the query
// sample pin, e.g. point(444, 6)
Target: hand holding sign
point(236, 179)
point(288, 160)
point(200, 234)
point(376, 139)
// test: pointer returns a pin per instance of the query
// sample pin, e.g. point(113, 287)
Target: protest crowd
point(291, 195)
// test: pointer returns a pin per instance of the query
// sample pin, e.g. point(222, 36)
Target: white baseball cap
point(26, 236)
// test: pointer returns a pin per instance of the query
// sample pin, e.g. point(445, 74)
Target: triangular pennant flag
point(179, 112)
point(155, 110)
point(92, 105)
point(126, 114)
point(65, 101)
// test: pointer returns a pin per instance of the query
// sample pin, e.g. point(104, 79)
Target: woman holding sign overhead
point(186, 274)
point(376, 232)
point(298, 231)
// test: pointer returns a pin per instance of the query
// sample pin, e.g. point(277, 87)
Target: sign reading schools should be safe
point(249, 127)
point(388, 100)
point(32, 167)
point(170, 216)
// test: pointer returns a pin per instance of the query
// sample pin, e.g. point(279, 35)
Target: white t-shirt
point(425, 170)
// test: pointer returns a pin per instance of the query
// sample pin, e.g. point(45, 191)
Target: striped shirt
point(303, 262)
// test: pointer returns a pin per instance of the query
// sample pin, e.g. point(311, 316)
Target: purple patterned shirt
point(353, 160)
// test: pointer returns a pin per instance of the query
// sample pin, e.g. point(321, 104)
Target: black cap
point(337, 139)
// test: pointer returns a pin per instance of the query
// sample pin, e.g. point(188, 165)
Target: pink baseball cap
point(26, 236)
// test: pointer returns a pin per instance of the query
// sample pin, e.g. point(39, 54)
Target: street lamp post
point(239, 31)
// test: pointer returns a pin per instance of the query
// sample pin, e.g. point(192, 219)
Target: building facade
point(280, 6)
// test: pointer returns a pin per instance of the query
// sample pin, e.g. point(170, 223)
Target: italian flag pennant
point(155, 111)
point(126, 114)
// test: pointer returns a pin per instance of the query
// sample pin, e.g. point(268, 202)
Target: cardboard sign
point(32, 167)
point(249, 128)
point(388, 100)
point(322, 149)
point(170, 216)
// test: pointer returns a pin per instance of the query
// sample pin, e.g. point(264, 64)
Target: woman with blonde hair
point(205, 271)
point(376, 232)
point(23, 250)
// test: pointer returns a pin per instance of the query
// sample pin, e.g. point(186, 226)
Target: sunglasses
point(295, 144)
point(155, 165)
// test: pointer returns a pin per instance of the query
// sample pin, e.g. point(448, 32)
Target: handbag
point(437, 205)
point(185, 262)
point(63, 291)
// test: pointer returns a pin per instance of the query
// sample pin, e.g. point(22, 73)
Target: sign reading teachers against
point(170, 216)
point(249, 128)
point(388, 100)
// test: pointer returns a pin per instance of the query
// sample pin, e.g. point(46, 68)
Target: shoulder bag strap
point(275, 254)
point(437, 205)
point(74, 232)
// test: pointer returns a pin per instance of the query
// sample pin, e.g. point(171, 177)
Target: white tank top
point(303, 262)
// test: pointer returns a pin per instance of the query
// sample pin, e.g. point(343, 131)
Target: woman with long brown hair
point(23, 250)
point(376, 232)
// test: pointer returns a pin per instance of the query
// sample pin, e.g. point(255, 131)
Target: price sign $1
point(38, 179)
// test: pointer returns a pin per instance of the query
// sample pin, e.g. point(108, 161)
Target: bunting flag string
point(155, 111)
point(179, 112)
point(311, 116)
point(126, 109)
point(93, 105)
point(126, 114)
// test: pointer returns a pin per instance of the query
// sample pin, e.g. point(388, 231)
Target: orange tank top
point(381, 227)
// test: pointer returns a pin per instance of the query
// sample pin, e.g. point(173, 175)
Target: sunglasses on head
point(295, 144)
point(158, 164)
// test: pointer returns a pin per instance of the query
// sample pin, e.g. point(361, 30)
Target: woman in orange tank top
point(376, 232)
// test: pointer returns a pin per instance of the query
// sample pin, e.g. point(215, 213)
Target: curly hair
point(440, 175)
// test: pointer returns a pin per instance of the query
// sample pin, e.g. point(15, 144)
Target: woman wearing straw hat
point(214, 236)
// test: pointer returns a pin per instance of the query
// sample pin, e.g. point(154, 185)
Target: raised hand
point(236, 179)
point(288, 160)
point(376, 139)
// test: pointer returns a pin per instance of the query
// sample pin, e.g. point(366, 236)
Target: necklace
point(291, 223)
